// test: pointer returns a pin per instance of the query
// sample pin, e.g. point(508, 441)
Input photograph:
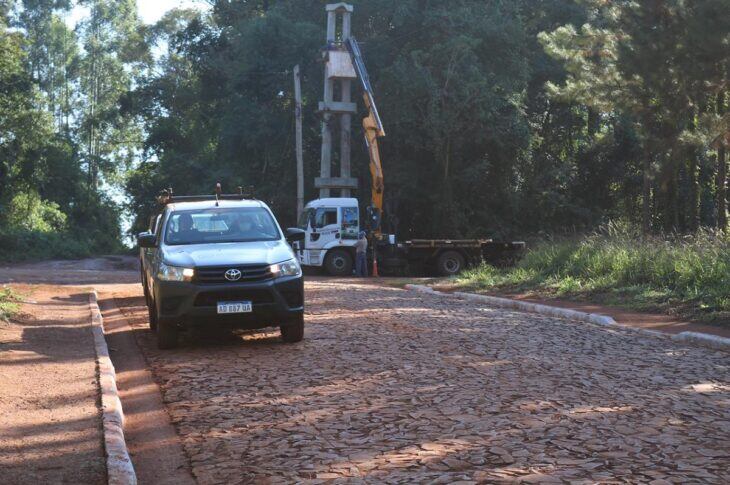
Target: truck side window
point(325, 217)
point(350, 224)
point(304, 219)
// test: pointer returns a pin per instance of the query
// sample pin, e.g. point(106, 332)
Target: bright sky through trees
point(149, 10)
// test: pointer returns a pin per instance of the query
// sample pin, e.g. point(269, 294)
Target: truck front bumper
point(275, 302)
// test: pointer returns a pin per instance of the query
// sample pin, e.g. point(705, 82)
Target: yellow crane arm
point(372, 133)
point(373, 130)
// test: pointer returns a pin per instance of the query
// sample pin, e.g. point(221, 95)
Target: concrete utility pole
point(300, 157)
point(338, 72)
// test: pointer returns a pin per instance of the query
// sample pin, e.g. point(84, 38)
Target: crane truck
point(331, 225)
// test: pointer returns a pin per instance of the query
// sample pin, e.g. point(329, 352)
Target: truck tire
point(450, 263)
point(152, 311)
point(338, 262)
point(166, 335)
point(294, 332)
point(143, 279)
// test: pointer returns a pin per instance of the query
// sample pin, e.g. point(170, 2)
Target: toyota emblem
point(233, 274)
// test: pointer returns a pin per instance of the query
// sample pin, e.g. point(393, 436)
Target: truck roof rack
point(167, 196)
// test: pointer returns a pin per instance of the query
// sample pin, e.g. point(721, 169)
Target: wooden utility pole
point(300, 156)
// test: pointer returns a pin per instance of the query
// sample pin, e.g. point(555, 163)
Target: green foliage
point(450, 79)
point(689, 271)
point(28, 212)
point(21, 245)
point(660, 66)
point(503, 119)
point(64, 136)
point(8, 303)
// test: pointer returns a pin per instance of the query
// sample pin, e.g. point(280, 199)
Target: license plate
point(235, 307)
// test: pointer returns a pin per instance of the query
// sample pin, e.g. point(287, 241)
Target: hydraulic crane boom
point(373, 127)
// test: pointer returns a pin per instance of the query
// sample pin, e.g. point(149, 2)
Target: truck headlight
point(287, 268)
point(174, 273)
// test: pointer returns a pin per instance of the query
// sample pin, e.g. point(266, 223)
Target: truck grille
point(211, 298)
point(216, 274)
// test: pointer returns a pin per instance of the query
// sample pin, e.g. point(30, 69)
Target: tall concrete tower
point(338, 75)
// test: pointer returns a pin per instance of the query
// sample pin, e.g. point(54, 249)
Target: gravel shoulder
point(43, 357)
point(49, 406)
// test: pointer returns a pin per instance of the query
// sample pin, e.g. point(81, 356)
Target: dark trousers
point(361, 264)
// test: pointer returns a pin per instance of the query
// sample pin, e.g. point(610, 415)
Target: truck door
point(322, 231)
point(327, 227)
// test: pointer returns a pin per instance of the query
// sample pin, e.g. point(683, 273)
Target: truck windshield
point(238, 224)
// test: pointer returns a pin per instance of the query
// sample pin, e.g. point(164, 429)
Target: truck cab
point(331, 226)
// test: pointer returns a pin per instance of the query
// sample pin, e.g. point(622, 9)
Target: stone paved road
point(392, 386)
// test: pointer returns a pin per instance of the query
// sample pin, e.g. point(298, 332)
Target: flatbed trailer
point(444, 257)
point(331, 227)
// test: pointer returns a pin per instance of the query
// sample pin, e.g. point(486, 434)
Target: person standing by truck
point(361, 255)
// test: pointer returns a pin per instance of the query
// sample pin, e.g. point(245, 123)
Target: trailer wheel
point(450, 263)
point(338, 263)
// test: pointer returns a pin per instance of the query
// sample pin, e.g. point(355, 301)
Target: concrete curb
point(522, 306)
point(118, 464)
point(703, 339)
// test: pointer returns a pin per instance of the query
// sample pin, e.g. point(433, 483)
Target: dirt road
point(392, 386)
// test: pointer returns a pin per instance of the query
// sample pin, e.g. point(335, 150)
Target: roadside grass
point(687, 276)
point(24, 245)
point(9, 303)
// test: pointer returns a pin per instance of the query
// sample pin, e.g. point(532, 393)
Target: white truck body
point(329, 223)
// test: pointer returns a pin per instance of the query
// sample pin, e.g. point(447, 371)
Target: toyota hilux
point(220, 261)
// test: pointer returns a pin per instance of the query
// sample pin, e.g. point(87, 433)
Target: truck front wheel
point(450, 263)
point(166, 335)
point(152, 311)
point(293, 332)
point(338, 263)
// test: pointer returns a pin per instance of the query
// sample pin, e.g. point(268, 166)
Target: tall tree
point(113, 52)
point(51, 52)
point(633, 58)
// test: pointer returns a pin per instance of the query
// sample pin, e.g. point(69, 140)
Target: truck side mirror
point(294, 234)
point(146, 240)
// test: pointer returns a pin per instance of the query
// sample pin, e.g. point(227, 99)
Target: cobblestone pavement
point(393, 386)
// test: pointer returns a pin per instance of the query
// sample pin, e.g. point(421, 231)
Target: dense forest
point(505, 118)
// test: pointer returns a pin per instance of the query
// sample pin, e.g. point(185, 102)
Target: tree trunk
point(674, 200)
point(693, 214)
point(721, 173)
point(721, 189)
point(693, 176)
point(646, 196)
point(594, 122)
